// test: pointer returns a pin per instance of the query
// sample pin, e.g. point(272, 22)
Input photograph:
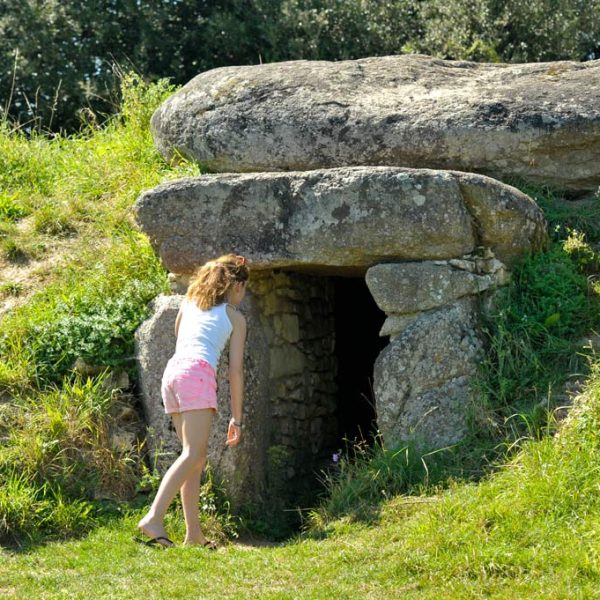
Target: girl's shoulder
point(235, 315)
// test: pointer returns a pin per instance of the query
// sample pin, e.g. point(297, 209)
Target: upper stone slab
point(540, 121)
point(337, 219)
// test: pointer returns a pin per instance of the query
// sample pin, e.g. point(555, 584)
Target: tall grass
point(536, 517)
point(83, 184)
point(57, 457)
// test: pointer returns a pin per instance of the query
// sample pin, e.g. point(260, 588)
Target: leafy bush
point(11, 209)
point(549, 297)
point(581, 252)
point(532, 336)
point(74, 82)
point(509, 31)
point(93, 319)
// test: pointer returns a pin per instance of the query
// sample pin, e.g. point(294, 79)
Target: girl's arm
point(236, 374)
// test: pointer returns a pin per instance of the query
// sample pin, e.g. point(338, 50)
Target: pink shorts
point(188, 384)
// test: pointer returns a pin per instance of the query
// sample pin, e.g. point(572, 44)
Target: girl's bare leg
point(195, 430)
point(190, 497)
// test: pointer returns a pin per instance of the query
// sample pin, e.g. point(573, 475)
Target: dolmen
point(393, 170)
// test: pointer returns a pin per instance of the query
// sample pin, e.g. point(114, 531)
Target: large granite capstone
point(540, 121)
point(338, 219)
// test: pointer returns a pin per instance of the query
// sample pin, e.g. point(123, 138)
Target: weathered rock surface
point(413, 111)
point(155, 344)
point(405, 290)
point(346, 218)
point(422, 379)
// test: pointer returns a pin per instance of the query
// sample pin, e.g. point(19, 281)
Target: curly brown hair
point(211, 282)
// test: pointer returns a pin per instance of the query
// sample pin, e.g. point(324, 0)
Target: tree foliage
point(514, 31)
point(57, 58)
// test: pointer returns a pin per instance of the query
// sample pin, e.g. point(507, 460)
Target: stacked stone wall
point(297, 314)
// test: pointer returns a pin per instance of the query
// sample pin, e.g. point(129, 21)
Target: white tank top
point(203, 333)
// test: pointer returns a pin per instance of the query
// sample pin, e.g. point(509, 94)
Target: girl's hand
point(234, 434)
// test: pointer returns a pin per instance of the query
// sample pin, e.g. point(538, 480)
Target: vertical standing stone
point(422, 378)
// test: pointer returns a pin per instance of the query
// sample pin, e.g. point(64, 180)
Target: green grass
point(81, 188)
point(530, 530)
point(534, 332)
point(562, 213)
point(71, 197)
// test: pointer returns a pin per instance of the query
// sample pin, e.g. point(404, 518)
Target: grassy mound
point(529, 530)
point(65, 204)
point(515, 504)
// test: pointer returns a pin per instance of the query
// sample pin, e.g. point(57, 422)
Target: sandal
point(155, 541)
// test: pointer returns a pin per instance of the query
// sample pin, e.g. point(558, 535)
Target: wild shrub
point(55, 450)
point(56, 457)
point(11, 209)
point(93, 318)
point(532, 330)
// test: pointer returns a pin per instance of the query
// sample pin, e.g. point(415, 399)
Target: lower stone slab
point(332, 220)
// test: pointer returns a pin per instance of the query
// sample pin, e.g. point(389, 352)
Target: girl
point(207, 318)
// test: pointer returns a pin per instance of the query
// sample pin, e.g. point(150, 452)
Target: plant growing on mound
point(93, 318)
point(578, 248)
point(563, 215)
point(54, 451)
point(532, 335)
point(364, 476)
point(11, 209)
point(56, 457)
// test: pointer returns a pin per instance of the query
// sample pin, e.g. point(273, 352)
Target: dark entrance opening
point(358, 321)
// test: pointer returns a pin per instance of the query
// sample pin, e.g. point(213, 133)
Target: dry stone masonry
point(297, 311)
point(375, 194)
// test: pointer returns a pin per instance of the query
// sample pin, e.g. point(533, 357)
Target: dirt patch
point(247, 541)
point(21, 278)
